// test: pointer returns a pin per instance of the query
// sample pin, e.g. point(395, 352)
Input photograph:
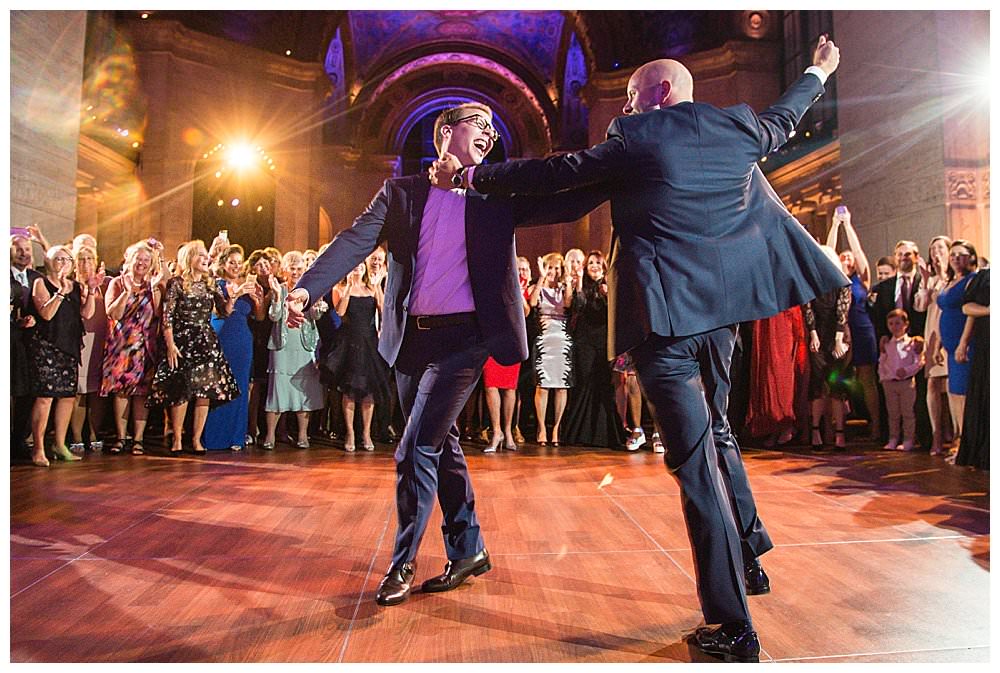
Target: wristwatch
point(458, 178)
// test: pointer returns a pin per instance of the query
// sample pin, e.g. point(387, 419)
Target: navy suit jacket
point(395, 215)
point(700, 238)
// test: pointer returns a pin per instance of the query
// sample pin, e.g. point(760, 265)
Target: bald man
point(701, 243)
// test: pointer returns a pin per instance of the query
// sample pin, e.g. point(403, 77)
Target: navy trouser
point(436, 372)
point(670, 372)
point(715, 378)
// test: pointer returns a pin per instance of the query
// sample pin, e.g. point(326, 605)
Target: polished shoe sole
point(759, 592)
point(731, 658)
point(475, 573)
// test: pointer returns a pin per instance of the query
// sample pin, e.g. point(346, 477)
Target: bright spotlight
point(235, 202)
point(240, 156)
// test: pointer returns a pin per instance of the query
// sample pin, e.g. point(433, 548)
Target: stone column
point(46, 70)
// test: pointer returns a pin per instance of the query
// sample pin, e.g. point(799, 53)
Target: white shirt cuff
point(819, 72)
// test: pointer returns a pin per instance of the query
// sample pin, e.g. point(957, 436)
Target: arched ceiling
point(531, 38)
point(627, 38)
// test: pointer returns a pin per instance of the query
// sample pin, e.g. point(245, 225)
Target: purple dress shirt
point(441, 282)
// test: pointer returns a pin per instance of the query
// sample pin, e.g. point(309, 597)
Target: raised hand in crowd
point(35, 235)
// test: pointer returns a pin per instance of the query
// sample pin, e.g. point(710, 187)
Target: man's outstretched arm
point(348, 249)
point(600, 164)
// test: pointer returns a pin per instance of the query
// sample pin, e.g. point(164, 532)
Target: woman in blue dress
point(864, 347)
point(227, 423)
point(962, 265)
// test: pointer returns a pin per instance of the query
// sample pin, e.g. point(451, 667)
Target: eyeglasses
point(959, 255)
point(63, 260)
point(482, 124)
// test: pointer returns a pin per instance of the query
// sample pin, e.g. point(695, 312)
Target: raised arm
point(860, 259)
point(601, 164)
point(531, 211)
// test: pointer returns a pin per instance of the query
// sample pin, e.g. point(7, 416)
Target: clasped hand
point(295, 306)
point(443, 170)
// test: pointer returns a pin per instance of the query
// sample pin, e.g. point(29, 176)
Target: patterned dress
point(130, 347)
point(553, 345)
point(827, 314)
point(202, 370)
point(54, 347)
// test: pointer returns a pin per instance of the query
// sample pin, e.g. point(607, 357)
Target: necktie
point(904, 294)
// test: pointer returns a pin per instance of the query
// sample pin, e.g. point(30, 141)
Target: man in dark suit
point(900, 291)
point(452, 298)
point(701, 244)
point(22, 321)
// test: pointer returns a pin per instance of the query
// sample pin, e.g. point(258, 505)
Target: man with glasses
point(701, 243)
point(451, 299)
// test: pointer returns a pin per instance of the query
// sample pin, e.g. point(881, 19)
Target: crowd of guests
point(905, 352)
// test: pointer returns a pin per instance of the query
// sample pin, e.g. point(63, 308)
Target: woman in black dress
point(829, 356)
point(62, 304)
point(260, 265)
point(974, 448)
point(591, 418)
point(194, 367)
point(361, 374)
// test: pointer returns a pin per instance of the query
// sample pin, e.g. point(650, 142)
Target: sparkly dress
point(54, 347)
point(202, 370)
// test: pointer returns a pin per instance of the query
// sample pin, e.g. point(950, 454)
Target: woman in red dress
point(500, 382)
point(777, 382)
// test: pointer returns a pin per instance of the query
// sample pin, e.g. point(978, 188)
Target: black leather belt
point(446, 320)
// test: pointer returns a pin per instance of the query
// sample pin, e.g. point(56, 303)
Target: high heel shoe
point(816, 445)
point(40, 461)
point(839, 440)
point(494, 445)
point(62, 453)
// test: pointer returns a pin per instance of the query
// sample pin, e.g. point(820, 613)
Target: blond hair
point(133, 250)
point(185, 255)
point(450, 116)
point(554, 258)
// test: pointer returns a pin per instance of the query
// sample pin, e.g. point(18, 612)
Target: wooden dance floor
point(275, 557)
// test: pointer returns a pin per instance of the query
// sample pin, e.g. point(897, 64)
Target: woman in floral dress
point(132, 301)
point(194, 366)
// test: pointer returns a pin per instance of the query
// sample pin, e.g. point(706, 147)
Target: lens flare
point(241, 156)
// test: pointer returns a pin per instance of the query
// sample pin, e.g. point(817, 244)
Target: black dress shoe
point(395, 586)
point(756, 579)
point(456, 572)
point(733, 641)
